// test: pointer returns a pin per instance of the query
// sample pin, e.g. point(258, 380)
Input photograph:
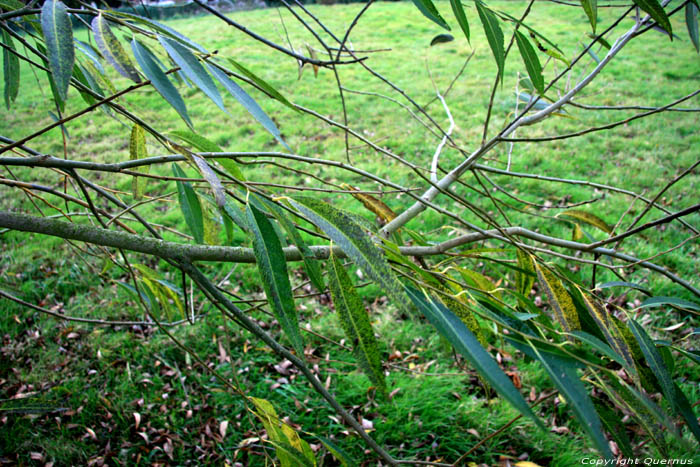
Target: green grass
point(102, 376)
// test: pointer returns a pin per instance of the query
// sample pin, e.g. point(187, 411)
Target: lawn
point(74, 394)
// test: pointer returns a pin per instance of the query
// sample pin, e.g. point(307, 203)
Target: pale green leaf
point(137, 150)
point(112, 50)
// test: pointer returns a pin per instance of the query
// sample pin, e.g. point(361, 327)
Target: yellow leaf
point(561, 303)
point(588, 218)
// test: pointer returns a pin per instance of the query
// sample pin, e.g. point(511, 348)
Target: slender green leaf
point(248, 103)
point(339, 454)
point(654, 360)
point(190, 206)
point(591, 9)
point(159, 80)
point(264, 85)
point(162, 28)
point(311, 264)
point(599, 345)
point(631, 285)
point(89, 51)
point(458, 10)
point(612, 424)
point(58, 33)
point(429, 11)
point(10, 68)
point(273, 271)
point(661, 301)
point(691, 22)
point(350, 237)
point(532, 62)
point(193, 69)
point(525, 277)
point(466, 343)
point(494, 35)
point(11, 5)
point(564, 377)
point(355, 322)
point(685, 409)
point(657, 13)
point(112, 50)
point(197, 141)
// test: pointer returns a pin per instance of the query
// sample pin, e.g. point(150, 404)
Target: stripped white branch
point(438, 150)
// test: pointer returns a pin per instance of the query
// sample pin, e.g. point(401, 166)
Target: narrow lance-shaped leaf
point(454, 330)
point(355, 322)
point(429, 11)
point(190, 206)
point(350, 237)
point(494, 35)
point(564, 377)
point(137, 150)
point(458, 10)
point(159, 80)
point(588, 218)
point(201, 143)
point(112, 50)
point(559, 299)
point(591, 9)
point(657, 13)
point(275, 278)
point(10, 67)
point(691, 22)
point(661, 301)
point(311, 264)
point(193, 69)
point(248, 103)
point(374, 205)
point(532, 62)
point(58, 33)
point(89, 51)
point(264, 85)
point(441, 39)
point(656, 362)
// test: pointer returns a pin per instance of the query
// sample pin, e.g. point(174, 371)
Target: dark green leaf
point(564, 377)
point(685, 409)
point(618, 431)
point(190, 205)
point(691, 21)
point(355, 322)
point(311, 264)
point(466, 343)
point(429, 11)
point(591, 9)
point(660, 301)
point(58, 33)
point(193, 69)
point(10, 68)
point(600, 39)
point(112, 50)
point(273, 271)
point(599, 345)
point(458, 11)
point(441, 39)
point(654, 360)
point(350, 237)
point(494, 35)
point(339, 454)
point(159, 80)
point(657, 13)
point(248, 103)
point(532, 62)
